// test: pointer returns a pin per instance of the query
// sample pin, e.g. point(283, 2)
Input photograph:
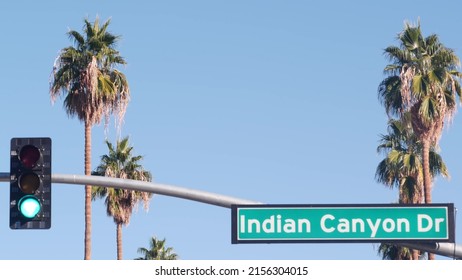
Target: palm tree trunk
point(415, 254)
point(427, 178)
point(87, 191)
point(426, 171)
point(119, 241)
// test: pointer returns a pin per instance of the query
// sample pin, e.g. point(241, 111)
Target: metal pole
point(450, 250)
point(190, 194)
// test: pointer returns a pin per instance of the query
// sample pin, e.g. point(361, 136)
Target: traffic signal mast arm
point(168, 190)
point(445, 249)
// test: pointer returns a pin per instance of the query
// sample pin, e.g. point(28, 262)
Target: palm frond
point(157, 251)
point(77, 38)
point(84, 75)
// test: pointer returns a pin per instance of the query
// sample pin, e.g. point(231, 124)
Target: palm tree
point(120, 163)
point(402, 168)
point(421, 80)
point(157, 251)
point(85, 74)
point(394, 252)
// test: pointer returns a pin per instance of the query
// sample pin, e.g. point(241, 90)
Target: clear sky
point(273, 101)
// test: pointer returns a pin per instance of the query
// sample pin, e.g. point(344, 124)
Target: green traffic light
point(29, 206)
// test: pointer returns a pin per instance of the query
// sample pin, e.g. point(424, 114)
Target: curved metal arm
point(190, 194)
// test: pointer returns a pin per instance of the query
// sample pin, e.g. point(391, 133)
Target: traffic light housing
point(30, 183)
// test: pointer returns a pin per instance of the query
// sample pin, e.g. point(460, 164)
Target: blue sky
point(274, 101)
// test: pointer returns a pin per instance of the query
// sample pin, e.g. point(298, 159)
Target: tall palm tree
point(402, 168)
point(85, 74)
point(421, 80)
point(120, 163)
point(157, 251)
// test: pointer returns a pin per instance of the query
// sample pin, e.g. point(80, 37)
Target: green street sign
point(342, 223)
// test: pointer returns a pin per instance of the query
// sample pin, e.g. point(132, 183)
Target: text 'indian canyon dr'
point(275, 223)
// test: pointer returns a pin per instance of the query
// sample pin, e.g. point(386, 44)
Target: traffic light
point(30, 183)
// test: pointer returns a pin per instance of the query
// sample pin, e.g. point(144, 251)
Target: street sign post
point(342, 223)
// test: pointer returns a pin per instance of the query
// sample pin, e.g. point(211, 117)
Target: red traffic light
point(29, 155)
